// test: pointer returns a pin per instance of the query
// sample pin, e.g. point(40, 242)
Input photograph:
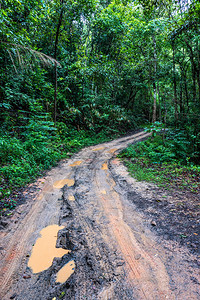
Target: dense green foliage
point(167, 159)
point(73, 73)
point(170, 146)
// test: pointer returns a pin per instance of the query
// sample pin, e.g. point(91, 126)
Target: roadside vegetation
point(77, 73)
point(170, 158)
point(24, 158)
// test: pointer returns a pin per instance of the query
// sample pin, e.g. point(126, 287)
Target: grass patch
point(167, 175)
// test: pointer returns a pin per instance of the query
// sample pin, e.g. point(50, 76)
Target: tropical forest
point(76, 73)
point(100, 144)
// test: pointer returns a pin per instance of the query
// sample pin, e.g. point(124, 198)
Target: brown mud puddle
point(76, 163)
point(98, 149)
point(105, 166)
point(103, 192)
point(111, 151)
point(71, 198)
point(44, 250)
point(61, 183)
point(65, 272)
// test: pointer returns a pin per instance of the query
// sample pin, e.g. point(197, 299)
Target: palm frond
point(12, 60)
point(23, 61)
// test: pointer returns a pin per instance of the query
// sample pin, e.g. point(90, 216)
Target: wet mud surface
point(118, 238)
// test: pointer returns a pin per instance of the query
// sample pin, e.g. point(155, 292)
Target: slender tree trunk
point(149, 93)
point(154, 81)
point(184, 74)
point(194, 83)
point(82, 89)
point(165, 115)
point(184, 90)
point(55, 56)
point(181, 97)
point(198, 68)
point(159, 101)
point(175, 87)
point(186, 94)
point(164, 120)
point(55, 93)
point(194, 69)
point(198, 82)
point(131, 98)
point(154, 102)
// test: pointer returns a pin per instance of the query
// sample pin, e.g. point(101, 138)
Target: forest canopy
point(73, 73)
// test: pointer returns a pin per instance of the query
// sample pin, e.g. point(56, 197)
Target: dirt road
point(107, 247)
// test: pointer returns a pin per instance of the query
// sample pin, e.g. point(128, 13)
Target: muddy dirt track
point(107, 246)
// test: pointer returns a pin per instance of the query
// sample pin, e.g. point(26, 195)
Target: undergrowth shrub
point(23, 162)
point(173, 145)
point(168, 159)
point(23, 157)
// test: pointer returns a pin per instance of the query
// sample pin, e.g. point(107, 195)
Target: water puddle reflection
point(71, 198)
point(61, 183)
point(76, 163)
point(111, 151)
point(45, 249)
point(98, 149)
point(103, 192)
point(105, 166)
point(65, 272)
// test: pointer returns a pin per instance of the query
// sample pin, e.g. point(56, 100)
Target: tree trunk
point(184, 88)
point(154, 81)
point(131, 98)
point(175, 88)
point(55, 56)
point(154, 102)
point(181, 97)
point(55, 93)
point(186, 94)
point(198, 68)
point(159, 102)
point(194, 70)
